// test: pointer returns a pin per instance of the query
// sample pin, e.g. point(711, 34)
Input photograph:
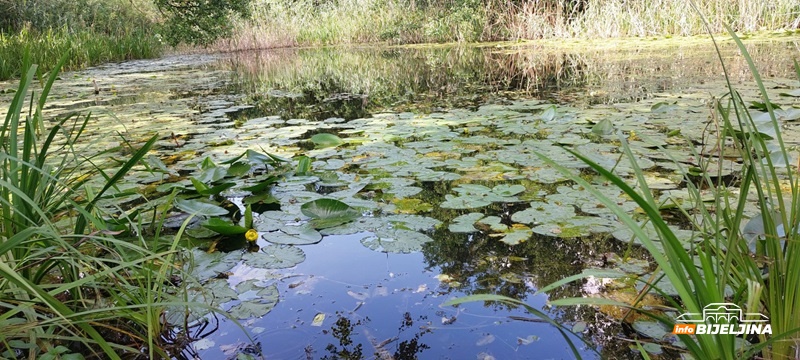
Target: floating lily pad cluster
point(377, 176)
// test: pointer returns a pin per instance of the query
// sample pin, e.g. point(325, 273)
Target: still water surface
point(384, 304)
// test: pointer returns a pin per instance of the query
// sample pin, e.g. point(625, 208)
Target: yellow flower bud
point(251, 235)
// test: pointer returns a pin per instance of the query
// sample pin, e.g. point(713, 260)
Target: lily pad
point(198, 207)
point(508, 190)
point(211, 175)
point(275, 257)
point(464, 202)
point(517, 234)
point(399, 241)
point(411, 206)
point(392, 233)
point(540, 213)
point(327, 213)
point(294, 235)
point(324, 140)
point(465, 223)
point(265, 300)
point(204, 266)
point(493, 223)
point(223, 227)
point(403, 191)
point(651, 329)
point(603, 127)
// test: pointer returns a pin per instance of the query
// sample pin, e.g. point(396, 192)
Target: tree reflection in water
point(399, 347)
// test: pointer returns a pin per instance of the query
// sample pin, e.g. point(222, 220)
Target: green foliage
point(725, 258)
point(754, 266)
point(325, 213)
point(200, 22)
point(92, 32)
point(58, 283)
point(309, 22)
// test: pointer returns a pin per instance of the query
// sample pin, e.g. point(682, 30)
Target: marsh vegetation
point(281, 169)
point(378, 200)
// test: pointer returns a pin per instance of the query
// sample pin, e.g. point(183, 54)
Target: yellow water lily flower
point(251, 235)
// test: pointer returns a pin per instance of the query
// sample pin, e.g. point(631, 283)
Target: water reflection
point(406, 345)
point(354, 82)
point(351, 83)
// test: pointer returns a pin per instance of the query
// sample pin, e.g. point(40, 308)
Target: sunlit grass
point(278, 23)
point(74, 287)
point(86, 48)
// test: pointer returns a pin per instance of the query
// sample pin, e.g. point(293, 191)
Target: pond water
point(437, 156)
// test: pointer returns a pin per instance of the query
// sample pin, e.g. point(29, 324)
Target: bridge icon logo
point(722, 318)
point(722, 313)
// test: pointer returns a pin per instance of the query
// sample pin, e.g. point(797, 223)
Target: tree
point(199, 22)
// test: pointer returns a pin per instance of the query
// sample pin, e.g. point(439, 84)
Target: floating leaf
point(399, 241)
point(517, 234)
point(662, 107)
point(327, 213)
point(549, 113)
point(603, 127)
point(464, 202)
point(214, 292)
point(201, 233)
point(485, 340)
point(198, 207)
point(224, 227)
point(238, 168)
point(294, 235)
point(494, 223)
point(411, 206)
point(579, 327)
point(540, 213)
point(303, 165)
point(651, 329)
point(795, 93)
point(403, 191)
point(528, 340)
point(275, 257)
point(324, 140)
point(652, 348)
point(465, 223)
point(200, 345)
point(205, 266)
point(318, 319)
point(154, 162)
point(211, 175)
point(203, 189)
point(265, 301)
point(508, 190)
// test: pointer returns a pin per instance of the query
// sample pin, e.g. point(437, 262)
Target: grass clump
point(68, 284)
point(280, 23)
point(92, 32)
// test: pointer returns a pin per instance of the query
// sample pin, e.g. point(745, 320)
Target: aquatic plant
point(69, 286)
point(91, 32)
point(728, 259)
point(279, 23)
